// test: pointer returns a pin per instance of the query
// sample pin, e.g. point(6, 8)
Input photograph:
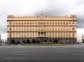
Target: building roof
point(12, 17)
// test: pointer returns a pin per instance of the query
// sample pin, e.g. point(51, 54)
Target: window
point(55, 23)
point(10, 23)
point(73, 23)
point(66, 23)
point(47, 22)
point(58, 23)
point(10, 28)
point(73, 29)
point(63, 23)
point(30, 23)
point(27, 23)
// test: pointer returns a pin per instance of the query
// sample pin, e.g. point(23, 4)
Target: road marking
point(20, 51)
point(15, 58)
point(64, 51)
point(78, 54)
point(19, 54)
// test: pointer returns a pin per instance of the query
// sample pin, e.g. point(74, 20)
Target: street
point(69, 53)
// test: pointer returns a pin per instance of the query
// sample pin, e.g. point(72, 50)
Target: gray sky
point(35, 7)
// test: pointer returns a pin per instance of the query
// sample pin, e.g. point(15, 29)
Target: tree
point(12, 41)
point(33, 41)
point(28, 41)
point(55, 41)
point(51, 40)
point(36, 41)
point(24, 42)
point(17, 42)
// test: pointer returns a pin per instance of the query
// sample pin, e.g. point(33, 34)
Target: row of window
point(42, 29)
point(42, 23)
point(42, 35)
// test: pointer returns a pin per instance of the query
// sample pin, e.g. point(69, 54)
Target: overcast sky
point(35, 7)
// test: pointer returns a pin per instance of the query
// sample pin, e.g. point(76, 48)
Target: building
point(0, 38)
point(59, 28)
point(82, 38)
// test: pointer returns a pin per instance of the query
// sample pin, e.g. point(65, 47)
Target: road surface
point(69, 53)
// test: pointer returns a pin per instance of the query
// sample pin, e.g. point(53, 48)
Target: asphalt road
point(71, 53)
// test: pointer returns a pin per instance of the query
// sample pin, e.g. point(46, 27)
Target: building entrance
point(41, 34)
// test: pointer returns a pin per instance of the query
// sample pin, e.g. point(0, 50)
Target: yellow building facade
point(23, 28)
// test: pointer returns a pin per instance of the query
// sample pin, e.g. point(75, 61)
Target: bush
point(55, 41)
point(12, 41)
point(24, 42)
point(28, 41)
point(17, 42)
point(35, 41)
